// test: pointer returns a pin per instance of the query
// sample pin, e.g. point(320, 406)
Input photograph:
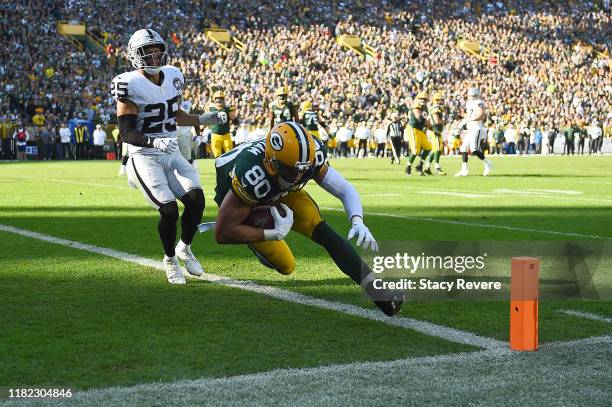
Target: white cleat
point(487, 168)
point(192, 264)
point(122, 170)
point(462, 173)
point(173, 270)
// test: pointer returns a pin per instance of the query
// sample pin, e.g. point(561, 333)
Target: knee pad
point(194, 200)
point(169, 212)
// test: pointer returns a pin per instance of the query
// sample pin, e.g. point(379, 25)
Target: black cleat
point(427, 172)
point(388, 301)
point(419, 169)
point(409, 170)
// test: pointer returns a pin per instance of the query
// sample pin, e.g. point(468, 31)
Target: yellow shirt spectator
point(38, 119)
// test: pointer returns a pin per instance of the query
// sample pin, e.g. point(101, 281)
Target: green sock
point(341, 251)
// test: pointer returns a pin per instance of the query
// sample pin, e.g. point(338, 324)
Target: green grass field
point(79, 319)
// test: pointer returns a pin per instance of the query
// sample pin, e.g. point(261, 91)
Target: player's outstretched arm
point(206, 119)
point(334, 183)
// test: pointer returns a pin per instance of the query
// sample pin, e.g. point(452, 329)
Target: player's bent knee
point(194, 200)
point(169, 211)
point(287, 267)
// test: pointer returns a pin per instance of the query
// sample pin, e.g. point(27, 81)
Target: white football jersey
point(157, 105)
point(470, 106)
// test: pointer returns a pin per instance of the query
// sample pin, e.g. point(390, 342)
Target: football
point(261, 216)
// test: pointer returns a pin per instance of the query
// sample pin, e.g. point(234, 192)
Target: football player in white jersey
point(475, 132)
point(148, 112)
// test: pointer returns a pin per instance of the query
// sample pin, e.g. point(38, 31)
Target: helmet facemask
point(151, 62)
point(289, 177)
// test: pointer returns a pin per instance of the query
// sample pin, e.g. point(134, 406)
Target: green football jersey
point(418, 124)
point(310, 120)
point(225, 127)
point(242, 170)
point(282, 114)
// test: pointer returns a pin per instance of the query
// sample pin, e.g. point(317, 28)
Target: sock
point(124, 160)
point(437, 157)
point(342, 252)
point(479, 154)
point(167, 227)
point(411, 158)
point(192, 215)
point(464, 167)
point(437, 165)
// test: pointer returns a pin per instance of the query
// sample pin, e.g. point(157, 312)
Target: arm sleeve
point(338, 186)
point(129, 133)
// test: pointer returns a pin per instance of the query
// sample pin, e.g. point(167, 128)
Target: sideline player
point(282, 110)
point(220, 138)
point(418, 143)
point(475, 133)
point(148, 111)
point(275, 170)
point(437, 113)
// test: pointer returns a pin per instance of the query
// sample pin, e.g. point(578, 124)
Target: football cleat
point(427, 171)
point(462, 173)
point(173, 270)
point(419, 169)
point(192, 264)
point(388, 301)
point(487, 168)
point(440, 171)
point(409, 170)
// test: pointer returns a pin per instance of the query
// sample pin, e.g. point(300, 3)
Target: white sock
point(437, 165)
point(464, 167)
point(487, 161)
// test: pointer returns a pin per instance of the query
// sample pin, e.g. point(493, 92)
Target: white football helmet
point(473, 93)
point(138, 55)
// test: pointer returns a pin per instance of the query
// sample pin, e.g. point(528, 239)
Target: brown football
point(261, 217)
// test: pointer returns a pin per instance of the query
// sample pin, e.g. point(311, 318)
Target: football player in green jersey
point(436, 112)
point(274, 171)
point(282, 110)
point(220, 138)
point(309, 118)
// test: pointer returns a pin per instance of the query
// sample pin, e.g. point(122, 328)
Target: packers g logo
point(276, 141)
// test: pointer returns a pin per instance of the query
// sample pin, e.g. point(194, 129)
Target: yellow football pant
point(220, 143)
point(436, 142)
point(417, 140)
point(276, 254)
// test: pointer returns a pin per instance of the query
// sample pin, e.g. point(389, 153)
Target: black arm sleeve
point(129, 134)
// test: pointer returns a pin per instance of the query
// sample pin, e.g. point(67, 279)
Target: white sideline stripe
point(449, 193)
point(65, 181)
point(497, 193)
point(330, 370)
point(446, 333)
point(557, 191)
point(587, 315)
point(476, 225)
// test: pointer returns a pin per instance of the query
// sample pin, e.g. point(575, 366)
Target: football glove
point(364, 236)
point(166, 144)
point(282, 225)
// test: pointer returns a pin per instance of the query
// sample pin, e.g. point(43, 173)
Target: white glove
point(282, 225)
point(363, 234)
point(166, 144)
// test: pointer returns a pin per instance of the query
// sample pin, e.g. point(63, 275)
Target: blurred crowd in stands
point(550, 73)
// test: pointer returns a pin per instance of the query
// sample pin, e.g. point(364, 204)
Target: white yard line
point(497, 193)
point(452, 377)
point(451, 193)
point(587, 315)
point(439, 331)
point(477, 225)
